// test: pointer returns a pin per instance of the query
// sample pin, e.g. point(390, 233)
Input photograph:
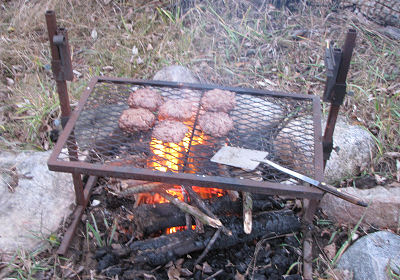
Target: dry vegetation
point(224, 42)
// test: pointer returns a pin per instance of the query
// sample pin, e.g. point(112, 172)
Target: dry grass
point(224, 42)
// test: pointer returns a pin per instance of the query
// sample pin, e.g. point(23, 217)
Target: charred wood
point(151, 218)
point(160, 250)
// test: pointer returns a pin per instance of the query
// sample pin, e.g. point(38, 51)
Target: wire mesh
point(282, 126)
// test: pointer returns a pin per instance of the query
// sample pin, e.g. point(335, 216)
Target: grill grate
point(281, 124)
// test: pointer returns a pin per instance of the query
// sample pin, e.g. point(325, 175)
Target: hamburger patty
point(176, 109)
point(145, 98)
point(216, 124)
point(133, 120)
point(170, 131)
point(218, 100)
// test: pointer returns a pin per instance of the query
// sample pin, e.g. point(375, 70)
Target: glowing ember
point(176, 229)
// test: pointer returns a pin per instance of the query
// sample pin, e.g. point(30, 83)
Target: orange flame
point(170, 157)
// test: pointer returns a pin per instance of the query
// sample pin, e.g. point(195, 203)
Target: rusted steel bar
point(310, 208)
point(76, 217)
point(339, 92)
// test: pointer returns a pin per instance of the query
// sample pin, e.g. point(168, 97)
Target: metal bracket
point(334, 91)
point(62, 68)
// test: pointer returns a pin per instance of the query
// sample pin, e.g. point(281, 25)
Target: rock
point(372, 255)
point(253, 113)
point(294, 148)
point(40, 201)
point(383, 211)
point(175, 73)
point(355, 145)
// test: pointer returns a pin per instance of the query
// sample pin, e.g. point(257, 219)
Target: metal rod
point(77, 214)
point(341, 79)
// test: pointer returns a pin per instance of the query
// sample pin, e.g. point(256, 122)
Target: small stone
point(95, 202)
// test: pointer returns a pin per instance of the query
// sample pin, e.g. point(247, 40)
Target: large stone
point(35, 204)
point(355, 148)
point(175, 73)
point(382, 212)
point(372, 256)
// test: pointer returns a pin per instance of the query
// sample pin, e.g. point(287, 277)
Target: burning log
point(160, 250)
point(216, 223)
point(151, 218)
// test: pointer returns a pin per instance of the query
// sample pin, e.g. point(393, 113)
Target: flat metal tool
point(250, 159)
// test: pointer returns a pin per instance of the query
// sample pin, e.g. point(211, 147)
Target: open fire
point(171, 157)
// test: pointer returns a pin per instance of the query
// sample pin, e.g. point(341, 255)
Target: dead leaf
point(93, 34)
point(207, 268)
point(380, 180)
point(239, 276)
point(330, 250)
point(186, 272)
point(173, 273)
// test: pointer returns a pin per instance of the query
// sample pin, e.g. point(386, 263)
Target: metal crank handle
point(343, 195)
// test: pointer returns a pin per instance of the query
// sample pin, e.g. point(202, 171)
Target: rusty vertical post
point(336, 93)
point(62, 71)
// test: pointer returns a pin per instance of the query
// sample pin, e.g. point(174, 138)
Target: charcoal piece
point(216, 124)
point(107, 260)
point(145, 98)
point(218, 100)
point(160, 250)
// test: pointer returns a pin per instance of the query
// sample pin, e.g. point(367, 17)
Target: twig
point(187, 216)
point(215, 223)
point(200, 203)
point(247, 212)
point(215, 274)
point(144, 188)
point(209, 245)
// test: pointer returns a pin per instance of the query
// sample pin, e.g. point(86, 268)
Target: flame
point(170, 157)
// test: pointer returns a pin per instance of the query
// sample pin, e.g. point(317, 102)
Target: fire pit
point(286, 125)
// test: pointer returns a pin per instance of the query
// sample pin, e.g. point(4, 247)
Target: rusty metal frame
point(186, 178)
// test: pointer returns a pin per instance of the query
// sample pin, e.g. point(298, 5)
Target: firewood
point(151, 218)
point(160, 250)
point(200, 203)
point(247, 212)
point(194, 211)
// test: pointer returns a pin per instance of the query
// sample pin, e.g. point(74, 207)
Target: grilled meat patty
point(216, 124)
point(132, 120)
point(145, 98)
point(218, 100)
point(170, 131)
point(176, 109)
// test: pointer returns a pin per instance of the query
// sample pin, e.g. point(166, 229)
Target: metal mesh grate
point(281, 125)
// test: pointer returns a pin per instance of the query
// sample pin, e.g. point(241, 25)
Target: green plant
point(97, 234)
